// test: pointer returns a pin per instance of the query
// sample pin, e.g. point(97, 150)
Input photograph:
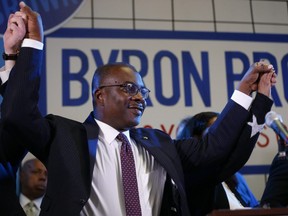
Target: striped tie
point(30, 209)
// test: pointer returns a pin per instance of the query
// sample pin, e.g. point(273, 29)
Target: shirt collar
point(109, 133)
point(25, 200)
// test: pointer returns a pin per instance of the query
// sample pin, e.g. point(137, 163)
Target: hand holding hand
point(14, 34)
point(250, 81)
point(266, 81)
point(34, 22)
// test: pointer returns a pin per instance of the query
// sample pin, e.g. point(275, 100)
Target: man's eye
point(132, 87)
point(129, 86)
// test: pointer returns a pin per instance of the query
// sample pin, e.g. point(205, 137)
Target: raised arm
point(11, 150)
point(20, 112)
point(249, 136)
point(235, 125)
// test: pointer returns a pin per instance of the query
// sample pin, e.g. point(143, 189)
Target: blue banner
point(54, 13)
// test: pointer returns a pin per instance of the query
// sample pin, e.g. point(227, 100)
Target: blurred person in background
point(33, 182)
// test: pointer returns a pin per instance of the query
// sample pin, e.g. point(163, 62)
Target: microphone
point(274, 121)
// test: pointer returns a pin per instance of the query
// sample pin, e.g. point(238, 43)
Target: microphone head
point(272, 116)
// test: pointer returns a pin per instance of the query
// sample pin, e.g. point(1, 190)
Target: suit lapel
point(92, 130)
point(168, 158)
point(164, 155)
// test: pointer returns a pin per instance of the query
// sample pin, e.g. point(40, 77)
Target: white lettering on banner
point(184, 76)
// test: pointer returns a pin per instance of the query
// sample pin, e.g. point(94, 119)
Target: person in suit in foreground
point(84, 160)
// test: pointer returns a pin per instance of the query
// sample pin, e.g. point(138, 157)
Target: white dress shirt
point(25, 200)
point(234, 203)
point(107, 196)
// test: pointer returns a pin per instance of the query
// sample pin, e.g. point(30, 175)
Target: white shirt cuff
point(242, 99)
point(4, 74)
point(32, 43)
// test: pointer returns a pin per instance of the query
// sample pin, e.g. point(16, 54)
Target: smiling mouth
point(136, 106)
point(138, 109)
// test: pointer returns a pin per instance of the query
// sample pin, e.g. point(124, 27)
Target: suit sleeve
point(11, 155)
point(20, 113)
point(245, 144)
point(227, 146)
point(2, 87)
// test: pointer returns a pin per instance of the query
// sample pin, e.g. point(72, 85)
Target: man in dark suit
point(84, 160)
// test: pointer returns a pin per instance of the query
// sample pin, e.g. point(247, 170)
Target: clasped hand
point(260, 77)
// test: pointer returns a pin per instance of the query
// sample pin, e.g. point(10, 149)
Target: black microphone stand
point(281, 148)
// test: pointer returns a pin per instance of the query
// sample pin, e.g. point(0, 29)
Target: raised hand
point(34, 22)
point(14, 34)
point(250, 81)
point(266, 81)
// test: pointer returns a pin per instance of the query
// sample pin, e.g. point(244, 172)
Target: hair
point(104, 71)
point(181, 126)
point(195, 125)
point(27, 163)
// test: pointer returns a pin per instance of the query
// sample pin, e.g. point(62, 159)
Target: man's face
point(119, 109)
point(33, 179)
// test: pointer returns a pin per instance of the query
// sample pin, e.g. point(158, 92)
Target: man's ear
point(98, 97)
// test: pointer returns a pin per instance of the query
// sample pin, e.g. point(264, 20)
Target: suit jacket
point(275, 194)
point(68, 148)
point(11, 154)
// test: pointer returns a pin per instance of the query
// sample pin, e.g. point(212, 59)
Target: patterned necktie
point(30, 209)
point(131, 193)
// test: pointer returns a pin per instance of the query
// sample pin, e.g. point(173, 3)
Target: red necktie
point(131, 193)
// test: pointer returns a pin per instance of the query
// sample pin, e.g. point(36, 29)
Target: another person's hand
point(14, 34)
point(250, 81)
point(267, 80)
point(34, 22)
